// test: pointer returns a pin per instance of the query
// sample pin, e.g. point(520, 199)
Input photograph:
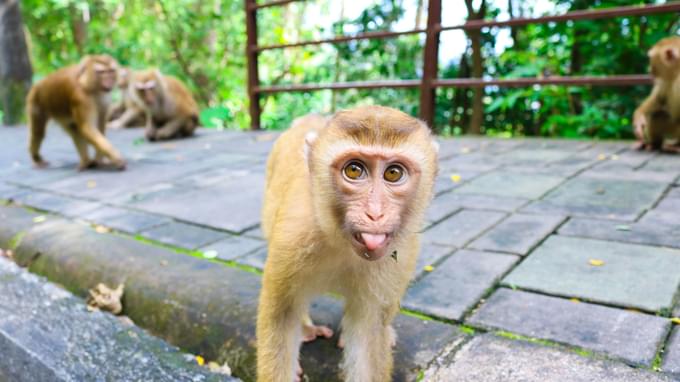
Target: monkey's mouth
point(371, 246)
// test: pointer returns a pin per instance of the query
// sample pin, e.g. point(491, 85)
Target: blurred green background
point(203, 42)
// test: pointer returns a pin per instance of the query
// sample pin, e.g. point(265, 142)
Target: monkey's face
point(664, 58)
point(374, 187)
point(147, 92)
point(106, 73)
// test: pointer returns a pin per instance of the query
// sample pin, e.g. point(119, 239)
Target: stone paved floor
point(549, 252)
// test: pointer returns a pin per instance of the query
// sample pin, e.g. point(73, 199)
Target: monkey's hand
point(639, 127)
point(150, 134)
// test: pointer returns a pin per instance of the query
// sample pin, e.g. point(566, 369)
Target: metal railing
point(429, 81)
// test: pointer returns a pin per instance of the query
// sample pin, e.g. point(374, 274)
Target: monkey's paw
point(41, 164)
point(88, 165)
point(120, 164)
point(312, 332)
point(150, 135)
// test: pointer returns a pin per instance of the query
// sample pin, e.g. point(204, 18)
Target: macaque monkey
point(77, 98)
point(170, 109)
point(344, 204)
point(129, 111)
point(658, 117)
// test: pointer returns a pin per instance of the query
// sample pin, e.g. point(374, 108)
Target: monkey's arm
point(124, 120)
point(641, 116)
point(171, 128)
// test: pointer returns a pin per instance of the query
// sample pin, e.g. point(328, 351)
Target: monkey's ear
point(310, 138)
point(671, 54)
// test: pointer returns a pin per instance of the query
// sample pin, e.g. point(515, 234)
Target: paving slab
point(457, 284)
point(600, 198)
point(63, 205)
point(256, 259)
point(535, 155)
point(234, 247)
point(519, 233)
point(488, 358)
point(431, 254)
point(462, 227)
point(183, 235)
point(663, 163)
point(634, 337)
point(513, 184)
point(644, 232)
point(238, 212)
point(671, 357)
point(125, 220)
point(47, 334)
point(631, 275)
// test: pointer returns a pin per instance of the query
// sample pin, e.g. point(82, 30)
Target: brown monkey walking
point(171, 110)
point(76, 97)
point(658, 117)
point(344, 203)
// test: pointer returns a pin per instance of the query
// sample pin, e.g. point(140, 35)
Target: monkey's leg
point(37, 124)
point(101, 144)
point(101, 126)
point(170, 129)
point(81, 146)
point(659, 124)
point(310, 332)
point(368, 338)
point(278, 335)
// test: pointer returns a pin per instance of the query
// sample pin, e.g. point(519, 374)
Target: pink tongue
point(373, 241)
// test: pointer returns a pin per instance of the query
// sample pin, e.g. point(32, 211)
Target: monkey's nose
point(374, 215)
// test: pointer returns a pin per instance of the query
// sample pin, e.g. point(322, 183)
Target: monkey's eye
point(393, 173)
point(354, 170)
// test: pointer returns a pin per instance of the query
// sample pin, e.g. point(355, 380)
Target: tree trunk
point(475, 37)
point(15, 65)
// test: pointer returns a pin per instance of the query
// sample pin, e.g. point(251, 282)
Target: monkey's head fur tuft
point(379, 165)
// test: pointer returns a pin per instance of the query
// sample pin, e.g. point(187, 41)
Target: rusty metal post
point(430, 64)
point(251, 55)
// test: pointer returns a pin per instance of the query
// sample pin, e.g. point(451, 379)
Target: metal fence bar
point(430, 61)
point(590, 14)
point(620, 80)
point(253, 73)
point(340, 86)
point(275, 3)
point(362, 36)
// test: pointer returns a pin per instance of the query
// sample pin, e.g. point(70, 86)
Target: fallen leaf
point(465, 150)
point(601, 157)
point(600, 191)
point(138, 141)
point(200, 360)
point(91, 184)
point(428, 268)
point(169, 146)
point(164, 263)
point(574, 300)
point(675, 320)
point(623, 227)
point(210, 254)
point(455, 178)
point(7, 253)
point(104, 298)
point(595, 262)
point(39, 219)
point(102, 229)
point(220, 369)
point(615, 157)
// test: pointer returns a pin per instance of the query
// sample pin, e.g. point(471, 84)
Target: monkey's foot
point(311, 332)
point(120, 164)
point(671, 149)
point(88, 165)
point(639, 145)
point(41, 164)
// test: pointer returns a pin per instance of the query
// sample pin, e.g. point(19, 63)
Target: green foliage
point(203, 43)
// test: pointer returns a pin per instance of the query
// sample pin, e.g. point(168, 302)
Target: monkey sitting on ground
point(128, 112)
point(171, 111)
point(344, 204)
point(77, 98)
point(658, 117)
